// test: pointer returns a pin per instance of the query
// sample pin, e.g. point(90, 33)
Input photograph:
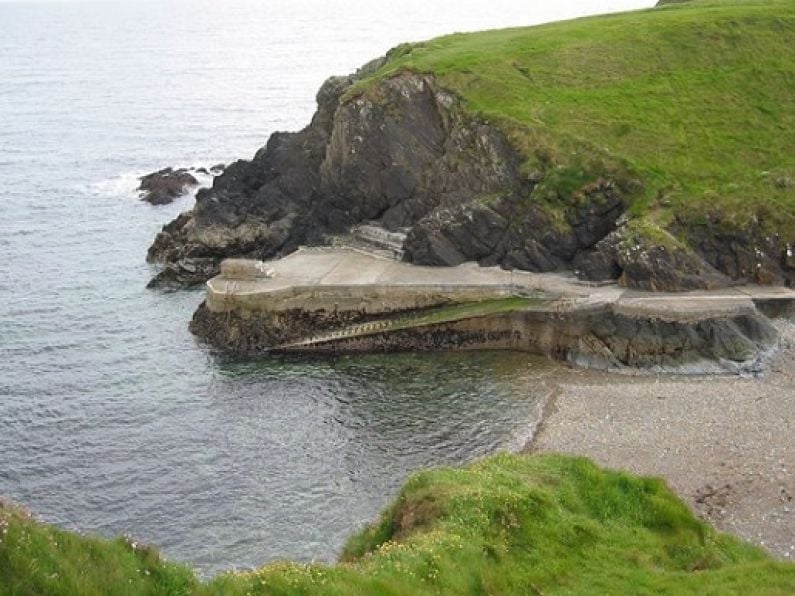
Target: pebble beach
point(724, 444)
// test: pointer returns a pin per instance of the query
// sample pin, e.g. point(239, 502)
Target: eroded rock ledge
point(345, 301)
point(402, 152)
point(599, 339)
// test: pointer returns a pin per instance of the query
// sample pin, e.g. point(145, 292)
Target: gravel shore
point(725, 444)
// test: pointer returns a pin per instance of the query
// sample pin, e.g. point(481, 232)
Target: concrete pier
point(313, 278)
point(345, 300)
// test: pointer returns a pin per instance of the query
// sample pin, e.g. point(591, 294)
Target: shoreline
point(721, 442)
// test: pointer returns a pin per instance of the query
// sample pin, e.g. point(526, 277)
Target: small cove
point(113, 418)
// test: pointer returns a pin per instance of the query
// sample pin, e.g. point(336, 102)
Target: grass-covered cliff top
point(698, 98)
point(505, 525)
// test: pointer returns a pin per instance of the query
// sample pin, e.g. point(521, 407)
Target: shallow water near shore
point(113, 419)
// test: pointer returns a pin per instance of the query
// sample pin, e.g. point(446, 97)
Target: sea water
point(113, 419)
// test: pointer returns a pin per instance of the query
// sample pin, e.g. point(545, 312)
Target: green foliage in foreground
point(39, 559)
point(696, 99)
point(505, 525)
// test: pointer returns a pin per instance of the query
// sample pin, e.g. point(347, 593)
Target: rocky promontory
point(406, 156)
point(472, 164)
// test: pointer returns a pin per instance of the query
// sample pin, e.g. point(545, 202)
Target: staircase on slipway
point(421, 318)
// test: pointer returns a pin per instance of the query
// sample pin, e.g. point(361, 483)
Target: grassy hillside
point(696, 98)
point(505, 525)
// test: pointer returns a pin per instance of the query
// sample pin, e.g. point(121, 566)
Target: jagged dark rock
point(747, 254)
point(163, 186)
point(394, 157)
point(643, 256)
point(185, 272)
point(515, 232)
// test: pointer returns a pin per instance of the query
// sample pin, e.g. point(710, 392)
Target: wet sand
point(725, 444)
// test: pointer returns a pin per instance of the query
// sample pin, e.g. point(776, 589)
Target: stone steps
point(402, 321)
point(358, 330)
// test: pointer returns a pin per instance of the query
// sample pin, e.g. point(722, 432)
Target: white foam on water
point(125, 185)
point(522, 437)
point(120, 186)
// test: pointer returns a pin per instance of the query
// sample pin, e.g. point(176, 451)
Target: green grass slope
point(40, 559)
point(697, 99)
point(505, 525)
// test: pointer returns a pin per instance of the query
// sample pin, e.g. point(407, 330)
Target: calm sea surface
point(112, 418)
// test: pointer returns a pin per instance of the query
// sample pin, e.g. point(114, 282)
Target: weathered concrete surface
point(348, 301)
point(338, 273)
point(327, 279)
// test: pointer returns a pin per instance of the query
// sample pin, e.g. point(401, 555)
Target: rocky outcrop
point(514, 231)
point(746, 253)
point(598, 338)
point(404, 153)
point(391, 158)
point(163, 186)
point(644, 256)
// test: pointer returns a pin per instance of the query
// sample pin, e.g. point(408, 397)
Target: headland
point(653, 148)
